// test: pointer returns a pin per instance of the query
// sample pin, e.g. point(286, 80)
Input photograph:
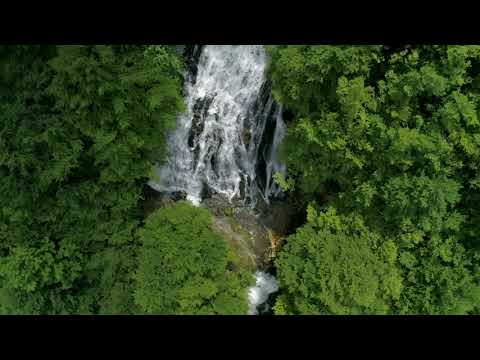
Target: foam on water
point(266, 284)
point(219, 141)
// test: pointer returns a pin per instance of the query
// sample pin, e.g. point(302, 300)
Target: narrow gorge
point(224, 152)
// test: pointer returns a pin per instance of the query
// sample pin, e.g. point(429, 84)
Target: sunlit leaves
point(394, 134)
point(183, 266)
point(334, 265)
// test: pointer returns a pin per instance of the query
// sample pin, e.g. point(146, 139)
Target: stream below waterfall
point(226, 143)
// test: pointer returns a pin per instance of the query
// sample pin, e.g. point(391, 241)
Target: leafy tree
point(80, 127)
point(183, 266)
point(336, 265)
point(392, 135)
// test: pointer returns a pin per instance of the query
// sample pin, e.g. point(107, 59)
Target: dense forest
point(382, 149)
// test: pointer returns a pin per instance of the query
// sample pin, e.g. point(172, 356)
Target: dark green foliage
point(79, 129)
point(392, 135)
point(183, 266)
point(336, 265)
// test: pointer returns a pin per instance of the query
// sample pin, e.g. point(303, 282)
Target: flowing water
point(227, 141)
point(265, 285)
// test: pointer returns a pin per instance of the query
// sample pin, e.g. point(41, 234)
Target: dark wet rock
point(207, 192)
point(282, 216)
point(192, 56)
point(287, 115)
point(242, 187)
point(246, 137)
point(178, 195)
point(213, 151)
point(153, 200)
point(198, 123)
point(216, 203)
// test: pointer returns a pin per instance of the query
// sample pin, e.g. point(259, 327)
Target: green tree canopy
point(183, 266)
point(336, 265)
point(80, 127)
point(392, 134)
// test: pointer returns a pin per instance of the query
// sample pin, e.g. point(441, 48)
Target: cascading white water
point(220, 143)
point(265, 285)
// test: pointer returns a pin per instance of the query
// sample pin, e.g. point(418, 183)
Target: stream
point(226, 143)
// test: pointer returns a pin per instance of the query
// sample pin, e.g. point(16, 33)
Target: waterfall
point(227, 140)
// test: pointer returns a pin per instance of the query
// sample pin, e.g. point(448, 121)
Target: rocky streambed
point(254, 234)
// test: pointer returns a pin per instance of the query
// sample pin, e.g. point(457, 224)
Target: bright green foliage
point(79, 129)
point(336, 265)
point(183, 266)
point(393, 135)
point(285, 184)
point(305, 77)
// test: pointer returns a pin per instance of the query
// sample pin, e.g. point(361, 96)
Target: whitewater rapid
point(227, 141)
point(265, 285)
